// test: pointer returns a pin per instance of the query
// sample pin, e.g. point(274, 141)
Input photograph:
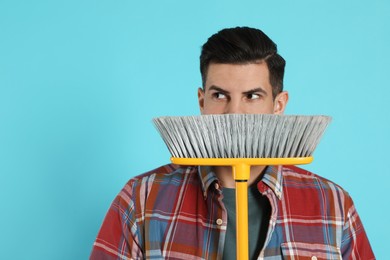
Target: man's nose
point(234, 106)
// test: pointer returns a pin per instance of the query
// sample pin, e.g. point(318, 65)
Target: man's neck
point(225, 176)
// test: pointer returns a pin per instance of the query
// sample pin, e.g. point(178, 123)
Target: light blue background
point(80, 82)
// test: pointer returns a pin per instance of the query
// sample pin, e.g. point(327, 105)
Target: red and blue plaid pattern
point(177, 213)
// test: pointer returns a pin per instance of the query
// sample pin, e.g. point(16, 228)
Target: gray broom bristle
point(241, 135)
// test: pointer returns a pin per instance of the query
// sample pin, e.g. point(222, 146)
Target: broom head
point(241, 135)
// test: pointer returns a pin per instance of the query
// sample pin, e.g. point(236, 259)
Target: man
point(177, 212)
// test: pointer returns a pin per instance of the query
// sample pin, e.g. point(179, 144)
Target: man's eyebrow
point(255, 90)
point(216, 88)
point(251, 91)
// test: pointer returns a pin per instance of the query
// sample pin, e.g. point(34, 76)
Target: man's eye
point(219, 95)
point(253, 96)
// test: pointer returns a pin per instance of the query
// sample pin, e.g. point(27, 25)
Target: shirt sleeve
point(118, 236)
point(354, 244)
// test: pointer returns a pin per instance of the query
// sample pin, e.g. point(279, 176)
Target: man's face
point(239, 89)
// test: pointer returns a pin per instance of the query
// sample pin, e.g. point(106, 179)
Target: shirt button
point(314, 258)
point(219, 222)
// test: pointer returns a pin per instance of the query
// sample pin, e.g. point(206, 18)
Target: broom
point(240, 141)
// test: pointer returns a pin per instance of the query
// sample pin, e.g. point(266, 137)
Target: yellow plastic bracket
point(241, 174)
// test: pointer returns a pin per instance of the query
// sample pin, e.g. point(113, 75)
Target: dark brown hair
point(243, 45)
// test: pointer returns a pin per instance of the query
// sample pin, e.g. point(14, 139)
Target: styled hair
point(243, 45)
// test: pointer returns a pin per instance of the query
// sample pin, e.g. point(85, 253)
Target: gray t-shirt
point(259, 210)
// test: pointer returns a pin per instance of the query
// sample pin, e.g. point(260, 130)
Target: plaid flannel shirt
point(177, 213)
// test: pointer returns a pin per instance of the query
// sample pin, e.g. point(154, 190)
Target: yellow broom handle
point(241, 173)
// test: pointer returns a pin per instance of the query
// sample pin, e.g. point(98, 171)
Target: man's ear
point(280, 102)
point(201, 99)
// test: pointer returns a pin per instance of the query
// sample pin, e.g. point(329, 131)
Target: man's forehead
point(238, 89)
point(238, 77)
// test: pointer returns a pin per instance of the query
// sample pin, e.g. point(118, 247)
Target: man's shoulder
point(303, 185)
point(294, 174)
point(156, 181)
point(164, 173)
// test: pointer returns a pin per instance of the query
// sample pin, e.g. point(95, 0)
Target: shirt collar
point(207, 177)
point(272, 177)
